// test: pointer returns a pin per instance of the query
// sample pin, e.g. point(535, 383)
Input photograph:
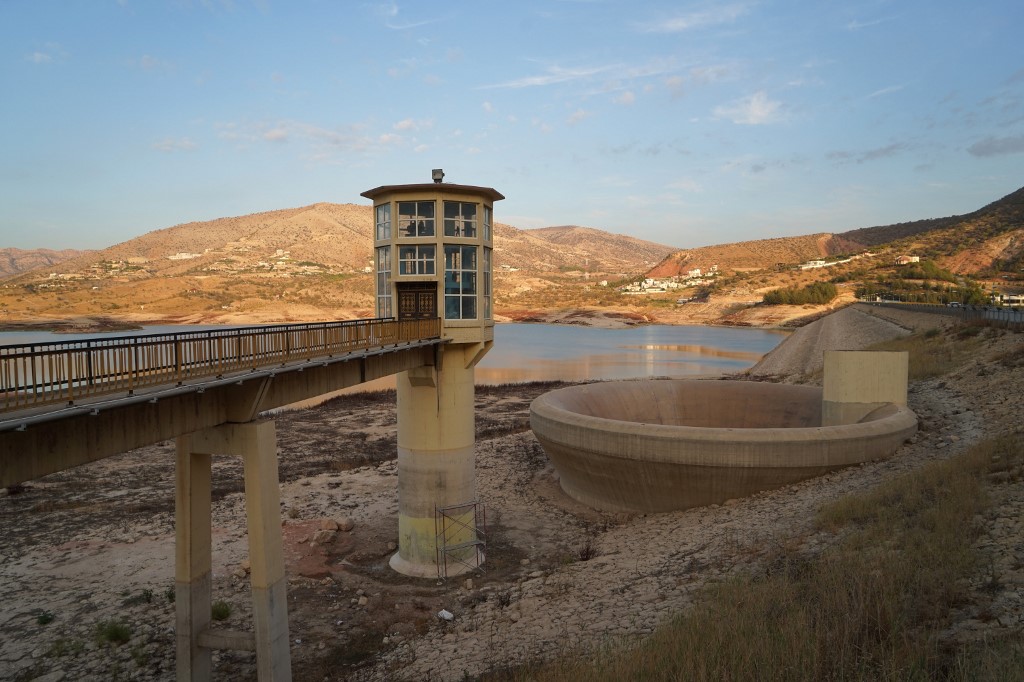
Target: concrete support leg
point(192, 579)
point(266, 553)
point(256, 443)
point(435, 458)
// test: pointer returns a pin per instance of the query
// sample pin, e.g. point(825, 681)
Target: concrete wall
point(660, 464)
point(858, 382)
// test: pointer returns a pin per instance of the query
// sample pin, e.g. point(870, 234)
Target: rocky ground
point(90, 548)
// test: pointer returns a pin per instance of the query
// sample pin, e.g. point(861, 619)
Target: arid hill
point(304, 263)
point(14, 261)
point(1007, 211)
point(760, 254)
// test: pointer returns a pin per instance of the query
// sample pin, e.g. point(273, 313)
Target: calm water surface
point(546, 352)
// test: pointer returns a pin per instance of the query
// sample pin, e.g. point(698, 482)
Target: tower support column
point(435, 458)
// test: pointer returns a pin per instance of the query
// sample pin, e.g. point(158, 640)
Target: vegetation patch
point(818, 293)
point(932, 354)
point(870, 607)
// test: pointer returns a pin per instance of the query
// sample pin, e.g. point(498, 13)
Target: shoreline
point(610, 318)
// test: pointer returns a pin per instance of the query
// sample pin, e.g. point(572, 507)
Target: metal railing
point(35, 374)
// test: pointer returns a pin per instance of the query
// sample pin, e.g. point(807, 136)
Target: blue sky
point(686, 123)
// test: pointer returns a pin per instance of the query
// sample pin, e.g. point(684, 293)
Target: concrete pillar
point(256, 443)
point(858, 382)
point(435, 459)
point(266, 553)
point(192, 572)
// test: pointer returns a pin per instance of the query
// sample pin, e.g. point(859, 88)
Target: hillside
point(312, 262)
point(1006, 212)
point(15, 261)
point(760, 254)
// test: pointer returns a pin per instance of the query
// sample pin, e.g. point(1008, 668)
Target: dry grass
point(870, 607)
point(933, 353)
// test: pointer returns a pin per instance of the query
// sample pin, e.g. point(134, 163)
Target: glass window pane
point(426, 209)
point(469, 211)
point(469, 258)
point(469, 282)
point(469, 307)
point(451, 209)
point(451, 307)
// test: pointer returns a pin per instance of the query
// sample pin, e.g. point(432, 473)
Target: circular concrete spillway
point(660, 445)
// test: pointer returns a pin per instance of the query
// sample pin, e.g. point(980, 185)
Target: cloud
point(577, 116)
point(842, 156)
point(686, 184)
point(675, 85)
point(626, 98)
point(886, 91)
point(488, 107)
point(757, 109)
point(692, 20)
point(168, 144)
point(856, 25)
point(412, 124)
point(553, 75)
point(276, 135)
point(50, 53)
point(996, 146)
point(150, 63)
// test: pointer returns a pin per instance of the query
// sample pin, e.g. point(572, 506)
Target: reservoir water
point(548, 352)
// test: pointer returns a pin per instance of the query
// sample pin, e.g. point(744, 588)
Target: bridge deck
point(66, 373)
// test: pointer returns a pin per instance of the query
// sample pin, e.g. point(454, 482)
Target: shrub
point(113, 631)
point(220, 610)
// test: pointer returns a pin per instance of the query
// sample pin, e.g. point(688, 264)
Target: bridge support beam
point(435, 456)
point(256, 443)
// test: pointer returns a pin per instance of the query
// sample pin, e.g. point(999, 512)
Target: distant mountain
point(311, 262)
point(581, 248)
point(14, 261)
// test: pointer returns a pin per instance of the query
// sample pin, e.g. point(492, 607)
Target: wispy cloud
point(169, 144)
point(553, 75)
point(843, 156)
point(757, 109)
point(577, 116)
point(857, 25)
point(886, 91)
point(687, 185)
point(150, 63)
point(691, 20)
point(409, 124)
point(997, 146)
point(626, 98)
point(276, 135)
point(48, 54)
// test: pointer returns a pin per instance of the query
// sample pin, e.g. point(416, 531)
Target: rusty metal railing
point(34, 374)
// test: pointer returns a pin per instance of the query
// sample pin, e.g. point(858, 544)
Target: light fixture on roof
point(437, 174)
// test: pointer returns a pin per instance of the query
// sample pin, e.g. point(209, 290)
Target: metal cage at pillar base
point(459, 541)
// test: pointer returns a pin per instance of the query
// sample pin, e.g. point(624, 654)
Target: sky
point(684, 123)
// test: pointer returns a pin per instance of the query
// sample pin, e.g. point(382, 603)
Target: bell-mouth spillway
point(661, 445)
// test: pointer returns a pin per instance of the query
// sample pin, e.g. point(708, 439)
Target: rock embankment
point(801, 356)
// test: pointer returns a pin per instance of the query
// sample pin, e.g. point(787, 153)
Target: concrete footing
point(256, 443)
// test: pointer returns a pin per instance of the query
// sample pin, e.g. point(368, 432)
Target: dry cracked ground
point(86, 556)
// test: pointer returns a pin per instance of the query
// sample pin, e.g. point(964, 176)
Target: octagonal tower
point(433, 255)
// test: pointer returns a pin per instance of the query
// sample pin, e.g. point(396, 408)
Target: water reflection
point(539, 352)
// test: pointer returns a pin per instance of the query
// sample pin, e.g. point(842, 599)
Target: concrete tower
point(433, 255)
